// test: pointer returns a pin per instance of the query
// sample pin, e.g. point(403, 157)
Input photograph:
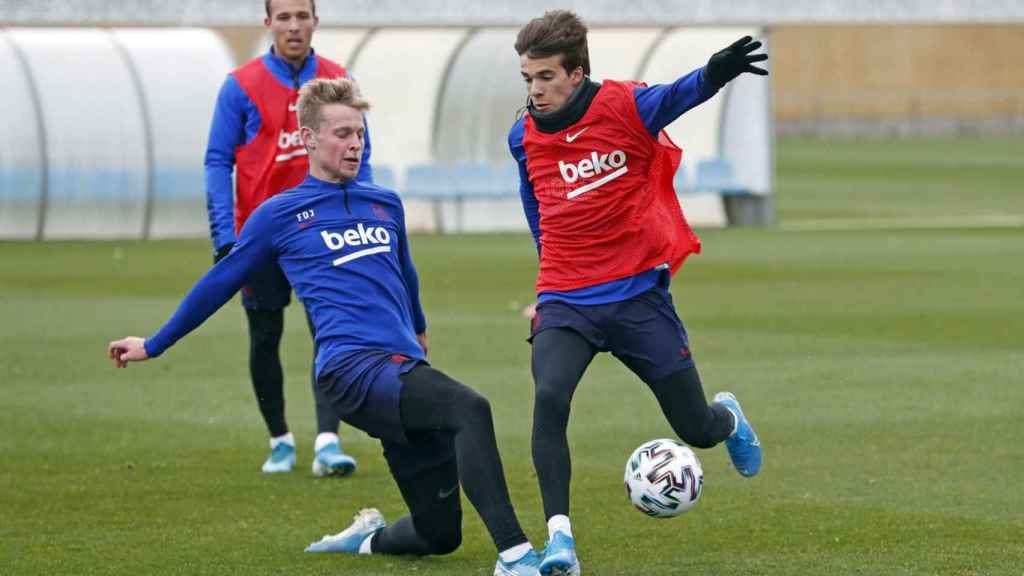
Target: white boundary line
point(992, 221)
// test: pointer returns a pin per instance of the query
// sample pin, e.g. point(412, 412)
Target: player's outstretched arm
point(213, 290)
point(125, 350)
point(733, 60)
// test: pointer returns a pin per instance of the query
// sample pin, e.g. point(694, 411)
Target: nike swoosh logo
point(572, 137)
point(292, 107)
point(442, 494)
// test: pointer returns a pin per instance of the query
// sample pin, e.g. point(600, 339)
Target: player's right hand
point(125, 350)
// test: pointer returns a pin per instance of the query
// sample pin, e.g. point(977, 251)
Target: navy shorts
point(266, 288)
point(365, 391)
point(644, 332)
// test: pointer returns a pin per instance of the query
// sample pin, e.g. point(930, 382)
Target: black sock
point(265, 329)
point(326, 418)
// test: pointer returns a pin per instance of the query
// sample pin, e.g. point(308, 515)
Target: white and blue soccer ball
point(664, 478)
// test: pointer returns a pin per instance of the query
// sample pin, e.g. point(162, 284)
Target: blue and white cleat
point(331, 461)
point(364, 525)
point(560, 557)
point(743, 445)
point(528, 565)
point(281, 459)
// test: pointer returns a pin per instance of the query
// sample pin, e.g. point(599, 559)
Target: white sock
point(282, 439)
point(325, 438)
point(559, 523)
point(364, 547)
point(515, 553)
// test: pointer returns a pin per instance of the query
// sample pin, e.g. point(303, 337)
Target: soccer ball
point(663, 478)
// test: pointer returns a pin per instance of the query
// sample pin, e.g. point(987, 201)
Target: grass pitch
point(881, 364)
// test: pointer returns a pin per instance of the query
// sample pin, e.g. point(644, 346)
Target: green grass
point(882, 369)
point(966, 179)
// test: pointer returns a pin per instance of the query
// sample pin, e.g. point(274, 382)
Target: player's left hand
point(733, 60)
point(422, 339)
point(125, 350)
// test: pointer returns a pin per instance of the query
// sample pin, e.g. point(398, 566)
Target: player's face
point(547, 81)
point(291, 23)
point(336, 148)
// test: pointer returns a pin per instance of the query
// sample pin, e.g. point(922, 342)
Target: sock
point(735, 422)
point(559, 523)
point(325, 438)
point(283, 439)
point(515, 553)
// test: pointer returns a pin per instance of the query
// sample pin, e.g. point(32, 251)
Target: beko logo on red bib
point(285, 142)
point(377, 237)
point(611, 165)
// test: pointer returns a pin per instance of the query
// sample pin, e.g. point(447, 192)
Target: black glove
point(221, 252)
point(730, 62)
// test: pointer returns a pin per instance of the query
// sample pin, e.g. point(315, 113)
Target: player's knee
point(443, 532)
point(446, 541)
point(474, 404)
point(549, 397)
point(265, 328)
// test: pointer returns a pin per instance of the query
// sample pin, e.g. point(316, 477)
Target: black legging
point(431, 402)
point(265, 330)
point(560, 357)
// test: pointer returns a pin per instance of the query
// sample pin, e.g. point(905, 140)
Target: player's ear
point(576, 76)
point(308, 137)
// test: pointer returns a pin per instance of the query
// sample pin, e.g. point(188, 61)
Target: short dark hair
point(312, 5)
point(557, 32)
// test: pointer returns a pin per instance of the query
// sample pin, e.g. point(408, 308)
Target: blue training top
point(343, 248)
point(659, 106)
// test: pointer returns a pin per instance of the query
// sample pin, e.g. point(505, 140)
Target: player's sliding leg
point(431, 401)
point(560, 357)
point(265, 329)
point(451, 441)
point(328, 458)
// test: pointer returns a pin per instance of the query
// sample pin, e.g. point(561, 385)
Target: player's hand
point(735, 59)
point(223, 251)
point(125, 350)
point(422, 339)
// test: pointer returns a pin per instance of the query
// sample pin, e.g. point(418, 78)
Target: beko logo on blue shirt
point(377, 238)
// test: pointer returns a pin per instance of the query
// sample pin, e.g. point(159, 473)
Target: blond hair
point(320, 92)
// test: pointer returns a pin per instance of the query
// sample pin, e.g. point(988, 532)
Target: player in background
point(255, 133)
point(596, 183)
point(342, 244)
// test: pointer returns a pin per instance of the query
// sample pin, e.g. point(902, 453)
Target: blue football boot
point(526, 566)
point(331, 461)
point(743, 445)
point(365, 524)
point(560, 557)
point(281, 459)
